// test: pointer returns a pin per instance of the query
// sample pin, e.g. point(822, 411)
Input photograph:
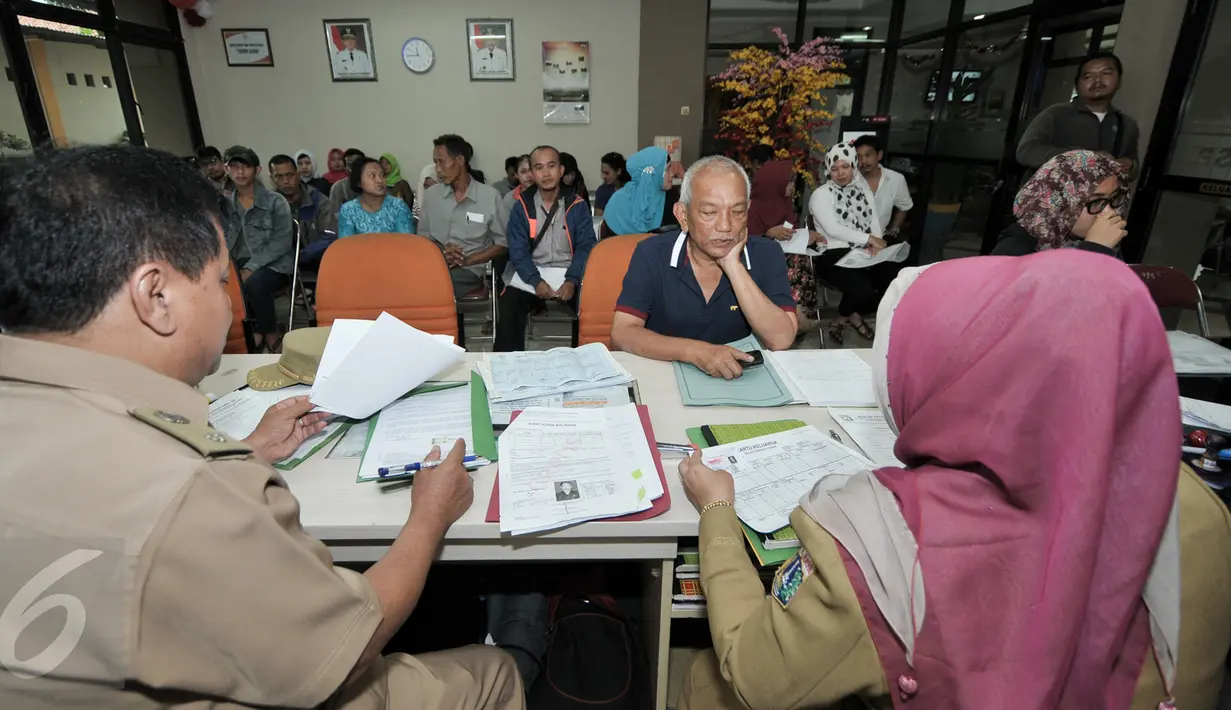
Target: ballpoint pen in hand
point(417, 466)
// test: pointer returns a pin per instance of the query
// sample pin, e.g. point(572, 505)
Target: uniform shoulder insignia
point(791, 576)
point(200, 436)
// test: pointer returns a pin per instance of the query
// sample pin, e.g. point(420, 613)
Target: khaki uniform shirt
point(817, 650)
point(475, 223)
point(205, 593)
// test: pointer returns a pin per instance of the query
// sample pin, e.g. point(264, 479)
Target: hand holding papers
point(553, 275)
point(798, 243)
point(238, 413)
point(827, 378)
point(773, 472)
point(861, 258)
point(368, 364)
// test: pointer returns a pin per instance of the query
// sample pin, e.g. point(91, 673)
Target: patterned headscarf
point(1050, 202)
point(853, 201)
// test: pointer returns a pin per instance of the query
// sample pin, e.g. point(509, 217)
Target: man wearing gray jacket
point(1088, 122)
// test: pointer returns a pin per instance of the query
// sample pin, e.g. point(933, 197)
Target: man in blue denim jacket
point(318, 222)
point(260, 236)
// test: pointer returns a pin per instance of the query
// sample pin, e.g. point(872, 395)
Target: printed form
point(237, 414)
point(773, 472)
point(407, 430)
point(870, 431)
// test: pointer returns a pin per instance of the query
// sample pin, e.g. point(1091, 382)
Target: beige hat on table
point(301, 355)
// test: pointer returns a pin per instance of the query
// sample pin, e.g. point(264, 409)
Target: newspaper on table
point(521, 375)
point(773, 472)
point(559, 467)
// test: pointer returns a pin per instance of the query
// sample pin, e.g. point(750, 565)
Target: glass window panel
point(924, 16)
point(160, 98)
point(910, 110)
point(974, 119)
point(75, 114)
point(1203, 147)
point(872, 86)
point(143, 12)
point(869, 21)
point(978, 9)
point(1108, 43)
point(14, 138)
point(750, 21)
point(1070, 44)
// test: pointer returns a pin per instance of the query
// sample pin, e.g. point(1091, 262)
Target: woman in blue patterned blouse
point(374, 210)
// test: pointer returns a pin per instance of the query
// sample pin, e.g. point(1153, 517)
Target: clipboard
point(657, 507)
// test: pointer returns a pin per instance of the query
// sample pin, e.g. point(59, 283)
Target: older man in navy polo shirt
point(687, 293)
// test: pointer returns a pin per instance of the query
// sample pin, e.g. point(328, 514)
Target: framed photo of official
point(247, 48)
point(351, 54)
point(490, 45)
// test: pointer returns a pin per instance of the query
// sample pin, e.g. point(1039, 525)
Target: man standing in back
point(550, 232)
point(465, 218)
point(1089, 122)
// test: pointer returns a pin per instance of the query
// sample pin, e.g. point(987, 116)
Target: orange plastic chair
point(405, 275)
point(239, 338)
point(601, 285)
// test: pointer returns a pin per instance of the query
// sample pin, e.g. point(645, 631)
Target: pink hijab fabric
point(1039, 426)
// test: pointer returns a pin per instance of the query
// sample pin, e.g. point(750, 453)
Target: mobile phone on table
point(757, 359)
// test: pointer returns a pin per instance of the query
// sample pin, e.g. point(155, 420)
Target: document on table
point(858, 258)
point(352, 443)
point(773, 472)
point(756, 387)
point(827, 378)
point(585, 399)
point(553, 275)
point(559, 467)
point(238, 413)
point(1194, 355)
point(870, 431)
point(406, 430)
point(1195, 412)
point(368, 364)
point(521, 375)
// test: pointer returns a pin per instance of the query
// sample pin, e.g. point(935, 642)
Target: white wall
point(91, 114)
point(295, 105)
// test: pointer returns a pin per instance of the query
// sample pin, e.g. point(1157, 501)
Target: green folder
point(481, 420)
point(730, 433)
point(757, 387)
point(288, 464)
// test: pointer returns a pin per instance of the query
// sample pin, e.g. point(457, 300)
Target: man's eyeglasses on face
point(1116, 199)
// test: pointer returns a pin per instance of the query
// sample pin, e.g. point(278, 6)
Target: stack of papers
point(522, 375)
point(773, 472)
point(1208, 415)
point(798, 243)
point(406, 431)
point(502, 412)
point(1194, 355)
point(564, 466)
point(859, 258)
point(237, 414)
point(870, 431)
point(826, 378)
point(368, 364)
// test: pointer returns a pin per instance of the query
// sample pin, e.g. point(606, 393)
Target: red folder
point(660, 506)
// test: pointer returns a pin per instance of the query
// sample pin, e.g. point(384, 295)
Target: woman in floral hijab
point(1077, 199)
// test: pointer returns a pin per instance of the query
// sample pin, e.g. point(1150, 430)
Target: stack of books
point(686, 593)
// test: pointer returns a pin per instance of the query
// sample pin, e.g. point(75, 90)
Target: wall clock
point(418, 56)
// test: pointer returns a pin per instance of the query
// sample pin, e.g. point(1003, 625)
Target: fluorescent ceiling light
point(868, 28)
point(980, 17)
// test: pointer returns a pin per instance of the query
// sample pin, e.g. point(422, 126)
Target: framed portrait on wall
point(351, 54)
point(247, 48)
point(490, 44)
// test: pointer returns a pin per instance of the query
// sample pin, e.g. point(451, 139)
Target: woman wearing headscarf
point(572, 178)
point(393, 180)
point(844, 213)
point(427, 178)
point(305, 162)
point(1077, 199)
point(637, 207)
point(337, 167)
point(772, 209)
point(1041, 547)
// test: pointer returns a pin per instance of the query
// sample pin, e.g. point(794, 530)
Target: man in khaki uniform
point(149, 561)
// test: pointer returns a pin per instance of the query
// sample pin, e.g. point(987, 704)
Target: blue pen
point(412, 467)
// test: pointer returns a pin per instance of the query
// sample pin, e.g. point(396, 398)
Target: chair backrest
point(237, 337)
point(601, 285)
point(1172, 288)
point(405, 275)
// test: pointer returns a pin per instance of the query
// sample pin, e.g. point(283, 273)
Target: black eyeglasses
point(1115, 199)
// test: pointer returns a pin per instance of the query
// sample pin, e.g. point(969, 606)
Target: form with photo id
point(773, 472)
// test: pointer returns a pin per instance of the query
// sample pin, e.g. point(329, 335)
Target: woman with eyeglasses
point(1077, 199)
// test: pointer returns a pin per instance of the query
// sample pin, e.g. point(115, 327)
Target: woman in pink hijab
point(1037, 550)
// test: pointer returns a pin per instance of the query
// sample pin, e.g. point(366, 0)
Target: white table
point(358, 521)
